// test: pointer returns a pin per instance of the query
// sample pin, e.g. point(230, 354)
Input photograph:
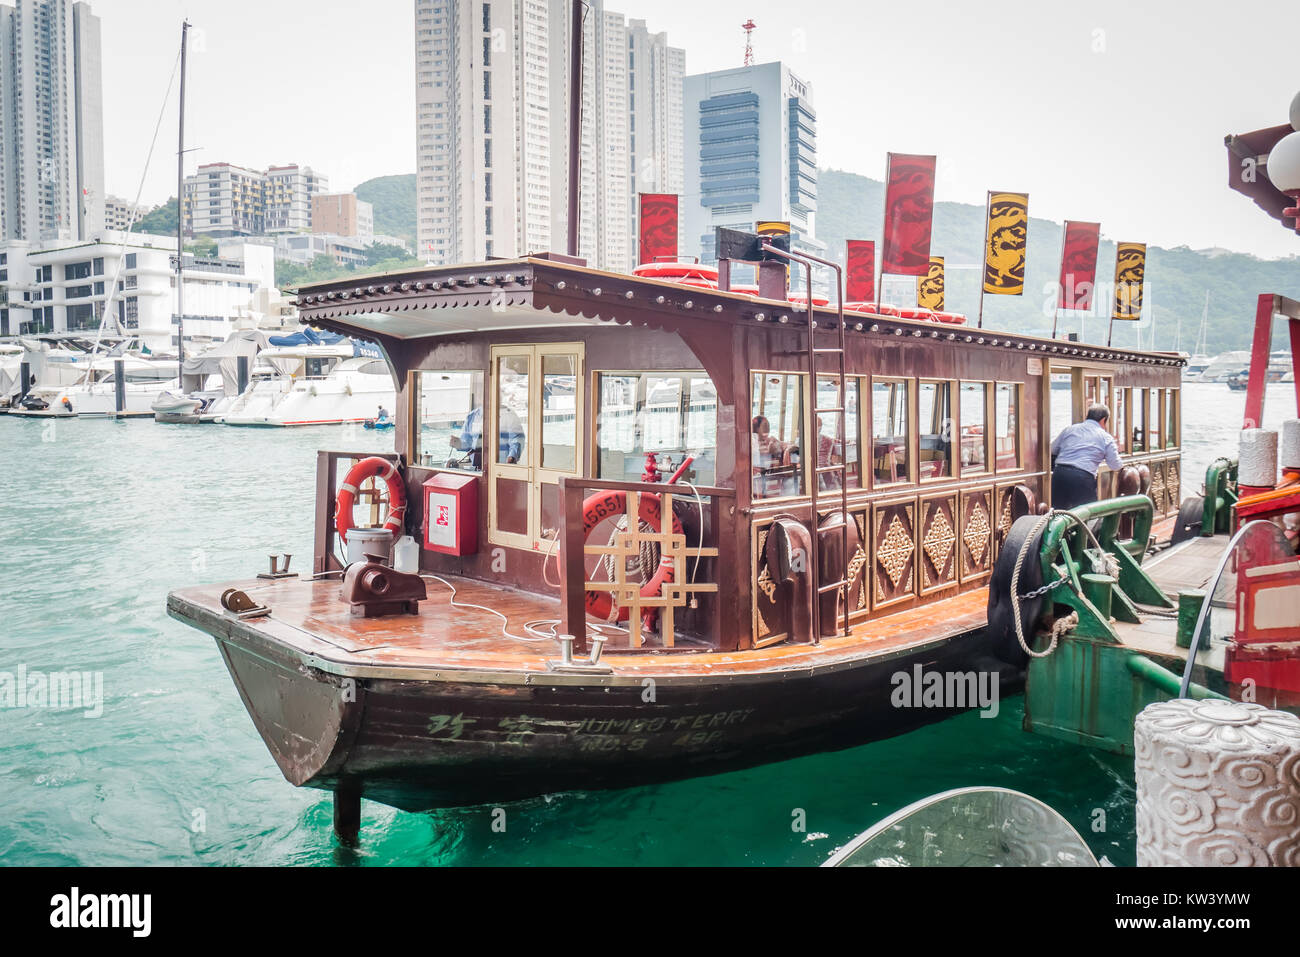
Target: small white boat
point(313, 385)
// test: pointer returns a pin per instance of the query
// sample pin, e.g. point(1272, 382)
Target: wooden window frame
point(954, 409)
point(988, 430)
point(912, 438)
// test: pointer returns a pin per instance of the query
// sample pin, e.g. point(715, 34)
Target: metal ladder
point(839, 351)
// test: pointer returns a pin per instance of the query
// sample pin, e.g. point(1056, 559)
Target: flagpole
point(1056, 318)
point(984, 266)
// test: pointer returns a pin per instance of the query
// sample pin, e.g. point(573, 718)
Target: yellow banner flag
point(929, 288)
point(1130, 271)
point(1004, 243)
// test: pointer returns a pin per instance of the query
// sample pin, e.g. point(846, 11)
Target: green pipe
point(1140, 504)
point(1166, 680)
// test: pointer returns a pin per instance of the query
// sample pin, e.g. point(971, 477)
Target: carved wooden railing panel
point(976, 534)
point(938, 557)
point(690, 562)
point(893, 551)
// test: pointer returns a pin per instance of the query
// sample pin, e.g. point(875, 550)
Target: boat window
point(1155, 433)
point(374, 367)
point(449, 430)
point(934, 417)
point(890, 441)
point(512, 408)
point(833, 448)
point(1091, 391)
point(671, 414)
point(559, 412)
point(1119, 416)
point(319, 366)
point(776, 441)
point(1006, 422)
point(1171, 419)
point(974, 427)
point(1137, 419)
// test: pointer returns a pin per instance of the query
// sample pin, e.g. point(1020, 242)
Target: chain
point(1052, 586)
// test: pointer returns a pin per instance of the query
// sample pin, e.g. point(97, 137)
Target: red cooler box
point(451, 514)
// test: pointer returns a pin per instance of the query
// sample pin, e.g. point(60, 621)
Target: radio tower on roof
point(748, 27)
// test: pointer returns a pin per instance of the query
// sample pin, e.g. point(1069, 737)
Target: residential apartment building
point(51, 121)
point(119, 214)
point(288, 198)
point(223, 200)
point(492, 95)
point(751, 154)
point(342, 214)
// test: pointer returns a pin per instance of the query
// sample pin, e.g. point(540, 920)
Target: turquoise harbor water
point(100, 519)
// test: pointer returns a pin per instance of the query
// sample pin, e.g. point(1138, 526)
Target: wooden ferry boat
point(814, 505)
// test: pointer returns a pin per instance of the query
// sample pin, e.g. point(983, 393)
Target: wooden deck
point(1187, 565)
point(308, 617)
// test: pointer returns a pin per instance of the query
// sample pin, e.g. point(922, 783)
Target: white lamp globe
point(1284, 163)
point(1295, 112)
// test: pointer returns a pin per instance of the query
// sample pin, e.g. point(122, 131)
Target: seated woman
point(768, 453)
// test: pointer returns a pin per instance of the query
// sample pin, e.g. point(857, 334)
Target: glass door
point(537, 403)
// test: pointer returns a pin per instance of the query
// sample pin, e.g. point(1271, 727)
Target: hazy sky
point(1099, 109)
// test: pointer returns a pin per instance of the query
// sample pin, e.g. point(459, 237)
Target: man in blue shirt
point(1077, 454)
point(510, 440)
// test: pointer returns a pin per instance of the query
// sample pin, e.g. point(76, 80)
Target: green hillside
point(850, 206)
point(393, 198)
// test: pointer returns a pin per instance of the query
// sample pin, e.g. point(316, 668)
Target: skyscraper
point(51, 121)
point(492, 95)
point(751, 154)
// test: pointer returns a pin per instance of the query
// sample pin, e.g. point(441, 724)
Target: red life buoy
point(602, 505)
point(679, 271)
point(371, 467)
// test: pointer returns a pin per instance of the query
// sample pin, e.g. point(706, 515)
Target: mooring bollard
point(1218, 783)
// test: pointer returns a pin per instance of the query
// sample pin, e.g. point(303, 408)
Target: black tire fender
point(1001, 620)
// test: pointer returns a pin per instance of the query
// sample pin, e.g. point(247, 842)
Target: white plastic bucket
point(372, 541)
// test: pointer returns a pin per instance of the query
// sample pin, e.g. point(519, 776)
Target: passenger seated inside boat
point(770, 454)
point(510, 445)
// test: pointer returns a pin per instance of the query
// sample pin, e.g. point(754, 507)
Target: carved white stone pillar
point(1218, 783)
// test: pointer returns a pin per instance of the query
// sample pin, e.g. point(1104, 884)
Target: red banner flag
point(1078, 264)
point(909, 211)
point(658, 219)
point(860, 271)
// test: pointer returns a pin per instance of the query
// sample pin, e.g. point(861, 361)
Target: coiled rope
point(1107, 564)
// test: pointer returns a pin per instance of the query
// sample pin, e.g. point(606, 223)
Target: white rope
point(1107, 564)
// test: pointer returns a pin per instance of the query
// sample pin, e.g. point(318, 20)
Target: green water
point(101, 519)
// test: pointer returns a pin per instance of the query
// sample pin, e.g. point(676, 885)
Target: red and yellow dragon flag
point(1078, 265)
point(909, 215)
point(929, 288)
point(1005, 235)
point(1130, 271)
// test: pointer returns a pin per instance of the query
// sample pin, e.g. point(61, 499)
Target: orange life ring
point(371, 467)
point(602, 505)
point(678, 271)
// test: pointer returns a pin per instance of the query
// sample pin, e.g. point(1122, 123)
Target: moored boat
point(596, 606)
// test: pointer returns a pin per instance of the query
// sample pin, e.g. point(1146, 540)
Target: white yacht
point(1226, 366)
point(87, 385)
point(313, 384)
point(210, 382)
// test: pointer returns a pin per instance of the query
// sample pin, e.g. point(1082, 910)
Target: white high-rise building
point(51, 121)
point(751, 155)
point(493, 128)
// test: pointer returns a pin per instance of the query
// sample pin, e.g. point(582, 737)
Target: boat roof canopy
point(540, 292)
